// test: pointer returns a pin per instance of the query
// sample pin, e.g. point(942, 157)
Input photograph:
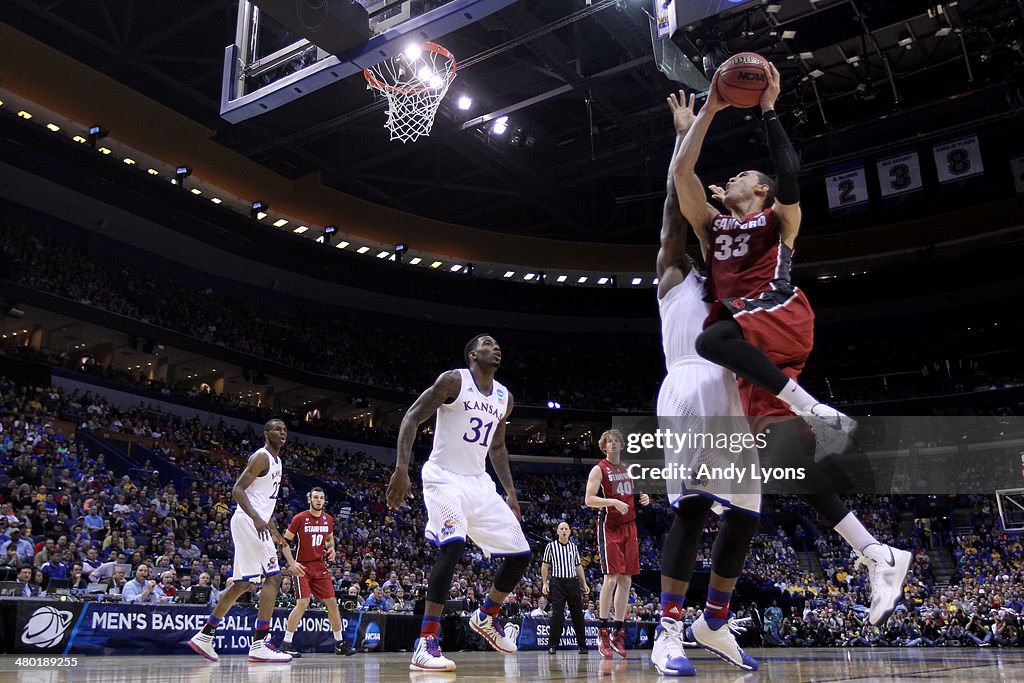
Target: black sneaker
point(584, 649)
point(290, 649)
point(552, 651)
point(343, 649)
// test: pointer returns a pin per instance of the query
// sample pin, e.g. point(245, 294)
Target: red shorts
point(618, 548)
point(780, 323)
point(317, 582)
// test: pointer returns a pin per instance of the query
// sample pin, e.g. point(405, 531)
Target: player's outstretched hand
point(715, 101)
point(398, 488)
point(717, 193)
point(513, 504)
point(682, 111)
point(297, 569)
point(645, 499)
point(621, 507)
point(771, 93)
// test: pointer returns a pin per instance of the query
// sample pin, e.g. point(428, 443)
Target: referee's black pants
point(565, 591)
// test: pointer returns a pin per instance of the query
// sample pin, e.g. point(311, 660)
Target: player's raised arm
point(692, 199)
point(498, 453)
point(257, 466)
point(786, 162)
point(445, 388)
point(672, 252)
point(591, 499)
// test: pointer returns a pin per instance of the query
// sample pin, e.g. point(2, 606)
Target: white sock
point(797, 398)
point(854, 532)
point(288, 635)
point(337, 636)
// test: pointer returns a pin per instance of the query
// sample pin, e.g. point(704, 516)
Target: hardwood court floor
point(788, 665)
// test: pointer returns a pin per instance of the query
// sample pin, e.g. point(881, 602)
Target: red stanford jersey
point(746, 255)
point(311, 532)
point(616, 483)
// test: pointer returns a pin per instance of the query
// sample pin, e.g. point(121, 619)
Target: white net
point(414, 83)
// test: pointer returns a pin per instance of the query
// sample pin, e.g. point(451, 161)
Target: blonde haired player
point(610, 490)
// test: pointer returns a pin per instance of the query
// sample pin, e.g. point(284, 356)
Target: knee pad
point(443, 570)
point(511, 571)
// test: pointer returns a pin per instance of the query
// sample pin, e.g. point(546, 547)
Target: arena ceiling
point(588, 163)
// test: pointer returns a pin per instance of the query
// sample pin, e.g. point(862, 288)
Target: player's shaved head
point(270, 424)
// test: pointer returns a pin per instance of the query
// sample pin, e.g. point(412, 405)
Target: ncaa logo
point(371, 638)
point(512, 632)
point(46, 627)
point(501, 393)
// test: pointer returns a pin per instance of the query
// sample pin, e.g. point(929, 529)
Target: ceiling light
point(79, 139)
point(104, 150)
point(196, 191)
point(383, 254)
point(24, 114)
point(561, 278)
point(529, 276)
point(280, 223)
point(817, 73)
point(509, 273)
point(465, 102)
point(456, 267)
point(806, 56)
point(152, 171)
point(425, 73)
point(435, 264)
point(581, 280)
point(773, 9)
point(53, 127)
point(129, 161)
point(413, 52)
point(944, 31)
point(362, 250)
point(342, 244)
point(215, 200)
point(637, 280)
point(788, 35)
point(500, 125)
point(301, 229)
point(436, 81)
point(602, 281)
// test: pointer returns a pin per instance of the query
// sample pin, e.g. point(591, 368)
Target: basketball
point(742, 78)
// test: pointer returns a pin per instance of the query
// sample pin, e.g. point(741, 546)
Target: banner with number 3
point(958, 160)
point(900, 174)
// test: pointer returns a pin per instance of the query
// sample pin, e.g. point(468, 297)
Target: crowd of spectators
point(67, 512)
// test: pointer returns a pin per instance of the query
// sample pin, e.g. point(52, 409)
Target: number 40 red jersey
point(311, 533)
point(616, 483)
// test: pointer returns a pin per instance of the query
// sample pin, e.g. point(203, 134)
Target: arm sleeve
point(784, 158)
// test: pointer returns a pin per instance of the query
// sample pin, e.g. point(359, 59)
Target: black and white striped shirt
point(563, 559)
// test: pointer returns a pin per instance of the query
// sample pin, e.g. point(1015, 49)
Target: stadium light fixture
point(561, 278)
point(53, 127)
point(500, 125)
point(301, 229)
point(415, 261)
point(465, 102)
point(280, 222)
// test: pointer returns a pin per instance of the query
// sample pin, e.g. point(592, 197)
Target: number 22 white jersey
point(262, 492)
point(466, 426)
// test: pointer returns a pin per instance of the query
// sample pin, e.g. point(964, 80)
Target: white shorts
point(255, 557)
point(461, 506)
point(703, 398)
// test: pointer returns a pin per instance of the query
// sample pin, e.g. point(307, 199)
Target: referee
point(566, 582)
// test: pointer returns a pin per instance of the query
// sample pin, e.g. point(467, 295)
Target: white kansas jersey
point(466, 426)
point(262, 492)
point(683, 311)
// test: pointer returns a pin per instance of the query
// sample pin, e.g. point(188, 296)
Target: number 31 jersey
point(311, 534)
point(466, 426)
point(616, 483)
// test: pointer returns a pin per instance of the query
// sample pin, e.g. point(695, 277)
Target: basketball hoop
point(414, 84)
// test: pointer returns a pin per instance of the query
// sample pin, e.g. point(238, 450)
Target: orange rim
point(375, 82)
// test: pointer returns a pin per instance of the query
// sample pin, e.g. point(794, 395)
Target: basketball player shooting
point(761, 326)
point(313, 533)
point(698, 393)
point(462, 502)
point(256, 538)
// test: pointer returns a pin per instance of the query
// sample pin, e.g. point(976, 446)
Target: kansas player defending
point(462, 502)
point(313, 533)
point(701, 396)
point(610, 490)
point(256, 539)
point(761, 326)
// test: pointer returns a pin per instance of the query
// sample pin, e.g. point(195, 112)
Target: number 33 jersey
point(616, 483)
point(466, 426)
point(745, 256)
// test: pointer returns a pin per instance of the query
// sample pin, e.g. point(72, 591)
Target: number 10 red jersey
point(311, 533)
